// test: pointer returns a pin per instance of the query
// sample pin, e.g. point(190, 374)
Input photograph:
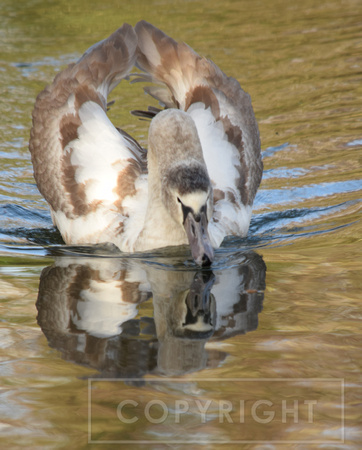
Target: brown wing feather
point(56, 117)
point(191, 79)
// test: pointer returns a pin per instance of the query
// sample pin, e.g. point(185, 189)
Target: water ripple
point(268, 197)
point(283, 172)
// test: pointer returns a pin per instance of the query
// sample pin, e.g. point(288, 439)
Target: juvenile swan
point(196, 183)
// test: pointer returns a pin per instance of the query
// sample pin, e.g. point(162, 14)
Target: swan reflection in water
point(88, 310)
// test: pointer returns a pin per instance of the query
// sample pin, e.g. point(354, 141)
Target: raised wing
point(84, 167)
point(224, 118)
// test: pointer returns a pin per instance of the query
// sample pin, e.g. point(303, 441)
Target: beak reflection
point(200, 305)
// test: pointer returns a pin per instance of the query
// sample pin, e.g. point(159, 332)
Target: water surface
point(278, 319)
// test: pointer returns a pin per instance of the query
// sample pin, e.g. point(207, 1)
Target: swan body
point(197, 181)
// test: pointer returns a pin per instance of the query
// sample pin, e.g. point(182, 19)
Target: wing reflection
point(88, 308)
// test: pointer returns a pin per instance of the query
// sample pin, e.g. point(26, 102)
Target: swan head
point(187, 196)
point(185, 187)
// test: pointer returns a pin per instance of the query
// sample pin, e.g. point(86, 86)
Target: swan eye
point(179, 200)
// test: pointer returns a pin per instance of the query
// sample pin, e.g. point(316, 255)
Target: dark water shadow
point(88, 310)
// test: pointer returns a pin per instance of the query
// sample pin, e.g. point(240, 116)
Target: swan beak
point(199, 239)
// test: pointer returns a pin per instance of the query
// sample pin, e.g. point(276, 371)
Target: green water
point(282, 309)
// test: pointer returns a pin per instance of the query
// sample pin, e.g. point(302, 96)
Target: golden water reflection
point(88, 309)
point(301, 64)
